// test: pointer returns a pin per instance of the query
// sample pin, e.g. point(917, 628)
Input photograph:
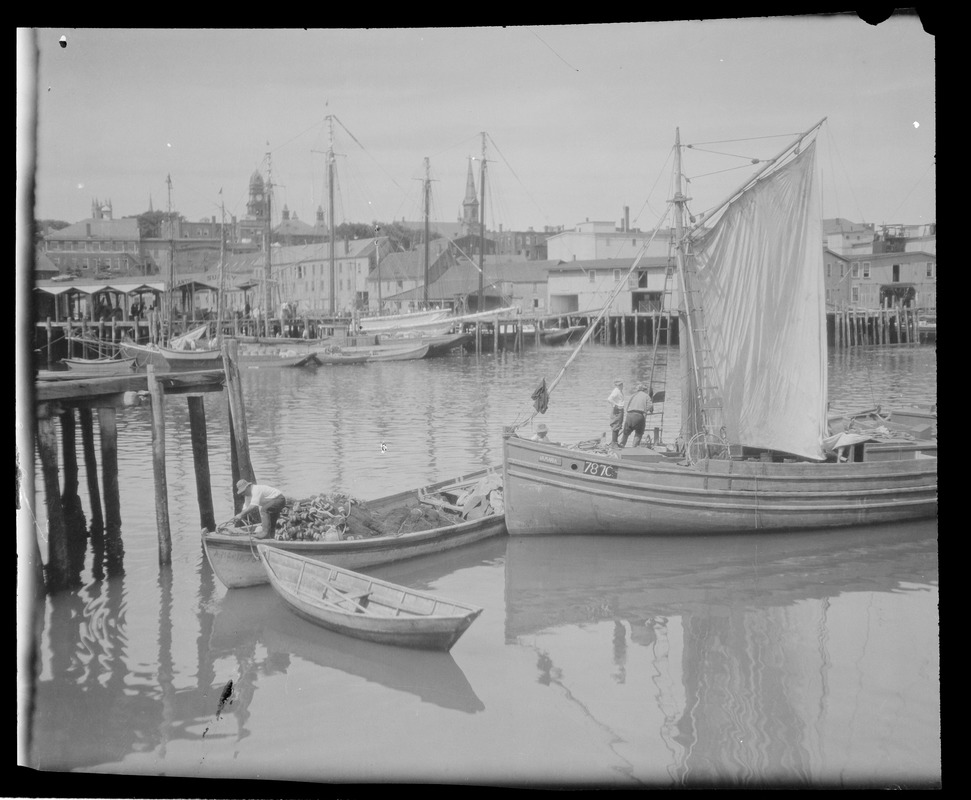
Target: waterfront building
point(99, 246)
point(586, 285)
point(515, 283)
point(593, 241)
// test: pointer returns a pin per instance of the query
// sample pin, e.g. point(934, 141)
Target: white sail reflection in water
point(749, 659)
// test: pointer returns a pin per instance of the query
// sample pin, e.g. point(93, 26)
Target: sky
point(578, 121)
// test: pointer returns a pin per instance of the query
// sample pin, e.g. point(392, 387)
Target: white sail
point(759, 278)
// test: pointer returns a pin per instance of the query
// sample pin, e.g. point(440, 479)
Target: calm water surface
point(799, 659)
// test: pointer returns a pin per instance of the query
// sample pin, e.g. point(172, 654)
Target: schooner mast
point(426, 188)
point(330, 212)
point(482, 176)
point(267, 267)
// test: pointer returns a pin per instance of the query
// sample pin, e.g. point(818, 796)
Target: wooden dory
point(365, 607)
point(100, 367)
point(233, 555)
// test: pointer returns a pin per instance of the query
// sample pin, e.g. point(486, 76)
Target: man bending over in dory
point(268, 500)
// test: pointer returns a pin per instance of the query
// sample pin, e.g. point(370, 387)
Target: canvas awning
point(197, 285)
point(124, 287)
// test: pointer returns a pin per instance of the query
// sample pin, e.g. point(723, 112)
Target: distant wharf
point(846, 328)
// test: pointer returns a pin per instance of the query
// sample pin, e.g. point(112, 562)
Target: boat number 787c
point(601, 470)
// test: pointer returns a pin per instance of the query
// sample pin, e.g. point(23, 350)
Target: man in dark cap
point(638, 407)
point(268, 500)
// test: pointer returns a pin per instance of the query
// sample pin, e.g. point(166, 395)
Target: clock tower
point(256, 207)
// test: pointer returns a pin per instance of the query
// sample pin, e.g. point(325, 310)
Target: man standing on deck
point(638, 407)
point(268, 500)
point(616, 400)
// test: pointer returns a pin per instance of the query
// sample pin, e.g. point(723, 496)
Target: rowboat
point(332, 359)
point(256, 619)
point(438, 344)
point(554, 336)
point(380, 352)
point(100, 367)
point(232, 554)
point(365, 607)
point(268, 355)
point(756, 451)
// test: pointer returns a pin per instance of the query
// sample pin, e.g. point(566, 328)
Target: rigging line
point(475, 138)
point(575, 69)
point(831, 140)
point(919, 180)
point(509, 166)
point(729, 155)
point(369, 154)
point(590, 328)
point(661, 173)
point(745, 139)
point(720, 171)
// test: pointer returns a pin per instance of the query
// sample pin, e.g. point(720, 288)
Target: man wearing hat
point(638, 407)
point(268, 500)
point(541, 433)
point(616, 400)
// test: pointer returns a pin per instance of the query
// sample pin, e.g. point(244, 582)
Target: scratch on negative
point(224, 697)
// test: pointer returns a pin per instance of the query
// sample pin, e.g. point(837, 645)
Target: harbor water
point(806, 659)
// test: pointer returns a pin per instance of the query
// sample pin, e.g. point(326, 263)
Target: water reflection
point(759, 648)
point(254, 620)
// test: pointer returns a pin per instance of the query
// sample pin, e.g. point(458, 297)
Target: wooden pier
point(67, 403)
point(845, 329)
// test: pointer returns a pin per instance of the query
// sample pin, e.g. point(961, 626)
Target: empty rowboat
point(364, 607)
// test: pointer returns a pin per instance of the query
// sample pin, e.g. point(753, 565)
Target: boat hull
point(549, 489)
point(281, 357)
point(388, 353)
point(234, 560)
point(391, 614)
point(100, 367)
point(191, 360)
point(144, 355)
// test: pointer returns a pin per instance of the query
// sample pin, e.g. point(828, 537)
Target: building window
point(829, 269)
point(842, 270)
point(535, 302)
point(592, 275)
point(930, 269)
point(866, 269)
point(616, 276)
point(855, 270)
point(855, 294)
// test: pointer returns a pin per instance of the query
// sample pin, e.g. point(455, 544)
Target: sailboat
point(758, 451)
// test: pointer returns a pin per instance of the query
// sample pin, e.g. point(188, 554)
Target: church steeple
point(470, 205)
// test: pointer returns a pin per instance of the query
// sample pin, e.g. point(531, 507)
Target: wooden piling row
point(883, 326)
point(56, 400)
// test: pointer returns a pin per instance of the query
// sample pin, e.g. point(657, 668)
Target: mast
point(482, 174)
point(171, 309)
point(692, 416)
point(222, 271)
point(330, 212)
point(377, 260)
point(426, 188)
point(267, 266)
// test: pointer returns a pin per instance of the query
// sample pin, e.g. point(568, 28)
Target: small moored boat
point(100, 367)
point(465, 502)
point(364, 607)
